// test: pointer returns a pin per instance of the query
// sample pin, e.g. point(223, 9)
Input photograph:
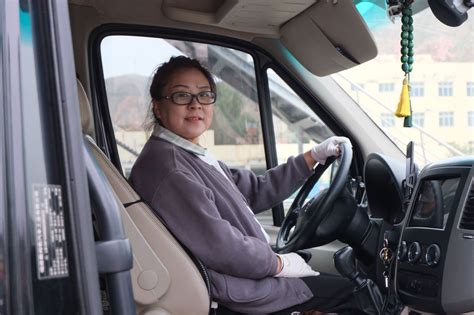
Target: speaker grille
point(467, 219)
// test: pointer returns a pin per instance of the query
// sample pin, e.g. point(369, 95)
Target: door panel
point(49, 222)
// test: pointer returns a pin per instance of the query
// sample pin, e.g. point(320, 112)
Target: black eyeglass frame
point(193, 96)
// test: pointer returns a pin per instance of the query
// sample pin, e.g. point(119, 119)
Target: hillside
point(431, 37)
point(128, 101)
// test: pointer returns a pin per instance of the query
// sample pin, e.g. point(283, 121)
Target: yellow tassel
point(403, 109)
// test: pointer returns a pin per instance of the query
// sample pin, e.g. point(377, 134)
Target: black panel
point(429, 225)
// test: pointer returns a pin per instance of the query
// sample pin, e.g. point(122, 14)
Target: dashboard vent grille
point(467, 220)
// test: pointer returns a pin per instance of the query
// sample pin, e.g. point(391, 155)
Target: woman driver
point(210, 207)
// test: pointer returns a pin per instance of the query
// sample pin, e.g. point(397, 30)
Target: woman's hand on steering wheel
point(329, 147)
point(302, 223)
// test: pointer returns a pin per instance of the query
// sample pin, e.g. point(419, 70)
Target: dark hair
point(167, 69)
point(161, 77)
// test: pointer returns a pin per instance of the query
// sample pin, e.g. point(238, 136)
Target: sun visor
point(329, 37)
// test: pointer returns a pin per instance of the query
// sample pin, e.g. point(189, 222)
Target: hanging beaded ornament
point(404, 106)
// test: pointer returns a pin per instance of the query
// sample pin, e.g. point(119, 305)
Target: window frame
point(18, 266)
point(5, 24)
point(73, 150)
point(315, 105)
point(262, 61)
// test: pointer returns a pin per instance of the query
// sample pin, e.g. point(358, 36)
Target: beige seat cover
point(165, 280)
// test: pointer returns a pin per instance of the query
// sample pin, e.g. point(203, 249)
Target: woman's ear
point(156, 109)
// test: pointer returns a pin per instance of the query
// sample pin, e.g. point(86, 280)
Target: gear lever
point(344, 262)
point(367, 294)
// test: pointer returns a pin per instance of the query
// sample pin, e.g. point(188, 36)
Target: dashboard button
point(414, 252)
point(433, 254)
point(402, 251)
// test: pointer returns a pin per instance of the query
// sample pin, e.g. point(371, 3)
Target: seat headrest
point(87, 120)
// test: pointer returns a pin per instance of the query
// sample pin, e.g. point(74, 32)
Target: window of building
point(357, 86)
point(470, 88)
point(419, 119)
point(470, 147)
point(446, 119)
point(386, 87)
point(387, 120)
point(470, 119)
point(417, 89)
point(445, 88)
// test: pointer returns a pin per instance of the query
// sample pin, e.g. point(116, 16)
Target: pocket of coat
point(242, 290)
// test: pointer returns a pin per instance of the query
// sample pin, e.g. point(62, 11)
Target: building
point(442, 96)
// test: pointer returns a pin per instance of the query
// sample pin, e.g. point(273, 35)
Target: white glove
point(327, 148)
point(293, 266)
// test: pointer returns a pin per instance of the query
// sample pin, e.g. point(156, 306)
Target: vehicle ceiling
point(333, 31)
point(242, 19)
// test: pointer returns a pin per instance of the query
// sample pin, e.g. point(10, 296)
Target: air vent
point(467, 220)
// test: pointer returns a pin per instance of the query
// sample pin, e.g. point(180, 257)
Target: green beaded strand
point(407, 39)
point(407, 48)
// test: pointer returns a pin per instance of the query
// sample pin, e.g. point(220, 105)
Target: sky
point(119, 59)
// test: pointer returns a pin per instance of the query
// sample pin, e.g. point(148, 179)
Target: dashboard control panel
point(434, 271)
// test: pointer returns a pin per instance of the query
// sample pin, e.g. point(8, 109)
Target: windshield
point(442, 84)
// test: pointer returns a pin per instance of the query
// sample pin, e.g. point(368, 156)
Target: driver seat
point(165, 278)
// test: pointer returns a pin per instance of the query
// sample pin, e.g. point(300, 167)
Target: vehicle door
point(259, 120)
point(48, 259)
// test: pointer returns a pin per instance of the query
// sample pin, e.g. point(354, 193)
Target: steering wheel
point(302, 227)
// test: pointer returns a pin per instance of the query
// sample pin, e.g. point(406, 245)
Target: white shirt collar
point(165, 134)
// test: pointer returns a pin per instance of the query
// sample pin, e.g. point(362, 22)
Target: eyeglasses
point(185, 98)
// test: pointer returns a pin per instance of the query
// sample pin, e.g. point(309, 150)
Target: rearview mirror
point(451, 12)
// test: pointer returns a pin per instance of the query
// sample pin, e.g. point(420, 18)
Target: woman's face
point(188, 121)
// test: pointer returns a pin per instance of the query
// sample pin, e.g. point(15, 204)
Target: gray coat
point(208, 214)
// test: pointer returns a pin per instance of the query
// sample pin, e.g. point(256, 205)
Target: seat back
point(164, 277)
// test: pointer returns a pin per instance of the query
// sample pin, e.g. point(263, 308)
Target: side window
point(297, 127)
point(235, 135)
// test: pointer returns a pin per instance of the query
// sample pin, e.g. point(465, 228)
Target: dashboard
point(434, 269)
